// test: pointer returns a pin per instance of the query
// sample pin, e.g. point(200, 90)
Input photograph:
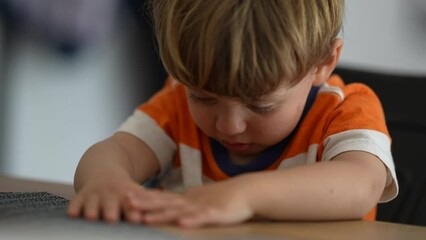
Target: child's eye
point(201, 99)
point(261, 110)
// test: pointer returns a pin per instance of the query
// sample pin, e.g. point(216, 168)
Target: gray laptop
point(41, 215)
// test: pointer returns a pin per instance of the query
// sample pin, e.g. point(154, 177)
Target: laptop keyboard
point(41, 215)
point(39, 204)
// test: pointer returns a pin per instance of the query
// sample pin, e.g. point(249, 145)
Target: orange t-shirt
point(338, 118)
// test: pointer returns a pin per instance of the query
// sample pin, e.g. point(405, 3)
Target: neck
point(241, 159)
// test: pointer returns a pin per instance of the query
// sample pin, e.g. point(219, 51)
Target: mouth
point(238, 147)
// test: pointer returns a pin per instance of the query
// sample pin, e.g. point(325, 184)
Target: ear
point(325, 68)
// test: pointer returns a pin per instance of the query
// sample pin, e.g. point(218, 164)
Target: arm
point(345, 188)
point(107, 172)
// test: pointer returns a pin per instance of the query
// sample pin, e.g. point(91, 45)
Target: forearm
point(120, 157)
point(104, 159)
point(323, 191)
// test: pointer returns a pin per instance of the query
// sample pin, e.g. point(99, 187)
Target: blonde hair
point(244, 48)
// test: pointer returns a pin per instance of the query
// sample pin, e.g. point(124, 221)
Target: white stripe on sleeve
point(146, 129)
point(370, 141)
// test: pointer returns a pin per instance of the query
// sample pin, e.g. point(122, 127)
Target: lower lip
point(238, 147)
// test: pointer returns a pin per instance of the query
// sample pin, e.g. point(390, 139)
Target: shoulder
point(345, 112)
point(170, 100)
point(336, 86)
point(350, 106)
point(172, 90)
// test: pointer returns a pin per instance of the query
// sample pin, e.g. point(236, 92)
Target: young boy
point(250, 125)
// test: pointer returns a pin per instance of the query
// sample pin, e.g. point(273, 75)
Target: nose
point(231, 123)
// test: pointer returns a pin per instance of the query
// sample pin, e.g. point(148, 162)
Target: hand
point(104, 199)
point(214, 204)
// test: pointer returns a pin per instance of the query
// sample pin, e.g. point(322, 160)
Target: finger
point(131, 208)
point(111, 209)
point(163, 216)
point(75, 207)
point(91, 208)
point(154, 201)
point(212, 216)
point(200, 218)
point(131, 202)
point(133, 216)
point(169, 214)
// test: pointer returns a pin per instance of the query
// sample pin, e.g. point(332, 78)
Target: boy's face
point(246, 129)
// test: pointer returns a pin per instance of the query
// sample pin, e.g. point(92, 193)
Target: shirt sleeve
point(358, 124)
point(152, 122)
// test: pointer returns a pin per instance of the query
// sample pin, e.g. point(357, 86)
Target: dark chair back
point(403, 99)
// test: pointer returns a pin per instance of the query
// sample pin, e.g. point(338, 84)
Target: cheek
point(202, 117)
point(299, 109)
point(274, 129)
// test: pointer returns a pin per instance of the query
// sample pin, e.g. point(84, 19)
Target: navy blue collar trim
point(265, 159)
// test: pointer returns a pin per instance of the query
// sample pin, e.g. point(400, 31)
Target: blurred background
point(72, 71)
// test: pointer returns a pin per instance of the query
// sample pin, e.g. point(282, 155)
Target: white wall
point(58, 107)
point(385, 35)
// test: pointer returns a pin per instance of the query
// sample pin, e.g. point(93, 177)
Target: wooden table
point(249, 231)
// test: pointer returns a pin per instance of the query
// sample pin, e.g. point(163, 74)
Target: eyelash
point(210, 101)
point(204, 100)
point(261, 110)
